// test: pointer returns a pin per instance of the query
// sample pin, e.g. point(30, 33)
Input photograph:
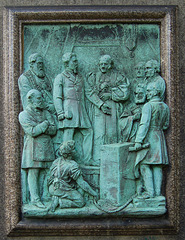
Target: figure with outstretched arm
point(150, 143)
point(107, 90)
point(65, 179)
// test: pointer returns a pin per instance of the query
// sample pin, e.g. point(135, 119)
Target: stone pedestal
point(113, 185)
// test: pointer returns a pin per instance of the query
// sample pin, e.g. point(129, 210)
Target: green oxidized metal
point(93, 117)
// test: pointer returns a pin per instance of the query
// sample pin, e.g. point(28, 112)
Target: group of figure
point(143, 123)
point(54, 112)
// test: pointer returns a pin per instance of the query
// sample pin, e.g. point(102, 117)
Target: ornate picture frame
point(15, 19)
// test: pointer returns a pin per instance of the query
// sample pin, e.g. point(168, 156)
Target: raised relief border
point(91, 120)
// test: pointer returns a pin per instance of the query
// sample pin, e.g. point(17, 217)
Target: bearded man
point(129, 119)
point(149, 163)
point(69, 101)
point(38, 152)
point(35, 78)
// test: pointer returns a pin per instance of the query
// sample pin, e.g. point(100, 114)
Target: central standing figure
point(106, 90)
point(68, 97)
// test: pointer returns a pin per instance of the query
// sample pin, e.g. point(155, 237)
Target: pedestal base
point(155, 202)
point(114, 186)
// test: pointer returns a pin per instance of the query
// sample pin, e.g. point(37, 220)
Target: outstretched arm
point(85, 186)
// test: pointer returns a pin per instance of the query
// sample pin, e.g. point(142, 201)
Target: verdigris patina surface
point(65, 176)
point(38, 152)
point(69, 102)
point(95, 88)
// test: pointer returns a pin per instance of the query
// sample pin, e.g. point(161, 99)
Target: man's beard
point(140, 101)
point(39, 73)
point(38, 106)
point(103, 70)
point(75, 70)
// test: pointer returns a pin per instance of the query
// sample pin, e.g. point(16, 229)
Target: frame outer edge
point(11, 106)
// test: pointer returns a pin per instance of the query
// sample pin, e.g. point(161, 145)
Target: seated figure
point(64, 179)
point(129, 119)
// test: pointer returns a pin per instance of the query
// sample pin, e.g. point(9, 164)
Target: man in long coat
point(106, 89)
point(129, 119)
point(154, 119)
point(68, 97)
point(35, 78)
point(38, 151)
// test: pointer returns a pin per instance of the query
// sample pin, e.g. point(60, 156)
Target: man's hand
point(137, 116)
point(51, 108)
point(44, 125)
point(61, 116)
point(137, 146)
point(105, 96)
point(68, 115)
point(106, 109)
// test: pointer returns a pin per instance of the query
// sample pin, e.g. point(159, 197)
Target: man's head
point(140, 94)
point(153, 90)
point(70, 61)
point(34, 99)
point(105, 63)
point(151, 68)
point(36, 65)
point(67, 148)
point(125, 92)
point(140, 70)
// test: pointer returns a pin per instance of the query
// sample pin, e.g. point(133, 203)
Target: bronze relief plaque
point(94, 89)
